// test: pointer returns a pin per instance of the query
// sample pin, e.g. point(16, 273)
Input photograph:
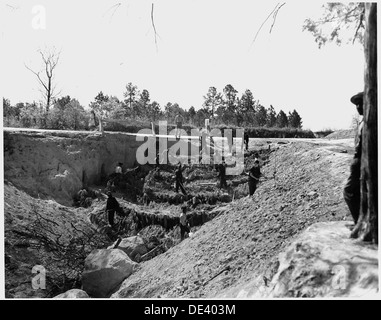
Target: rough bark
point(367, 225)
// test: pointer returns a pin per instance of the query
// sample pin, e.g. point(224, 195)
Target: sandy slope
point(26, 221)
point(243, 242)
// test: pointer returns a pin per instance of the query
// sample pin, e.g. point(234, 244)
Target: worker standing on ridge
point(254, 175)
point(184, 224)
point(352, 187)
point(222, 174)
point(179, 179)
point(202, 147)
point(246, 140)
point(179, 125)
point(157, 160)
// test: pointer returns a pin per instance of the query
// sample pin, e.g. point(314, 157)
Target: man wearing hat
point(352, 187)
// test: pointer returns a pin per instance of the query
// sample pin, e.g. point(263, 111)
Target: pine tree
point(294, 120)
point(281, 120)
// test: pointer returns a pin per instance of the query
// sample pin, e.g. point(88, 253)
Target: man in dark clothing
point(157, 160)
point(112, 206)
point(184, 224)
point(179, 179)
point(352, 187)
point(246, 140)
point(222, 174)
point(254, 175)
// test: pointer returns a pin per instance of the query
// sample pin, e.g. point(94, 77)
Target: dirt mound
point(44, 233)
point(342, 134)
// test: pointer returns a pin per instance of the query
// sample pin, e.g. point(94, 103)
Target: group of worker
point(112, 205)
point(254, 176)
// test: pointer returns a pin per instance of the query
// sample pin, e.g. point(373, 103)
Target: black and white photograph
point(189, 155)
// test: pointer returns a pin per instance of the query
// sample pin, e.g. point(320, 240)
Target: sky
point(200, 43)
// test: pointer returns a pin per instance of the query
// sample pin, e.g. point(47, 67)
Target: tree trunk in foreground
point(367, 225)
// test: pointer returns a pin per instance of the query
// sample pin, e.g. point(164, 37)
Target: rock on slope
point(243, 242)
point(325, 262)
point(322, 262)
point(73, 294)
point(104, 270)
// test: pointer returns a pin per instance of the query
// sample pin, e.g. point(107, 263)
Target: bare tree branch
point(275, 15)
point(153, 26)
point(115, 7)
point(37, 75)
point(359, 26)
point(264, 23)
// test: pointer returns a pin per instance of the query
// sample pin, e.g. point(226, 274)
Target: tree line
point(65, 114)
point(224, 108)
point(221, 109)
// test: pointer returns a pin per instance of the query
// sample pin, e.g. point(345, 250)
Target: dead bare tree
point(46, 76)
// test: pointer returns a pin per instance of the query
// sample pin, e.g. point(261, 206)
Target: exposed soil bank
point(56, 164)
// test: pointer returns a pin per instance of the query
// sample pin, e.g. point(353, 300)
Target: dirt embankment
point(55, 165)
point(342, 134)
point(243, 242)
point(42, 233)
